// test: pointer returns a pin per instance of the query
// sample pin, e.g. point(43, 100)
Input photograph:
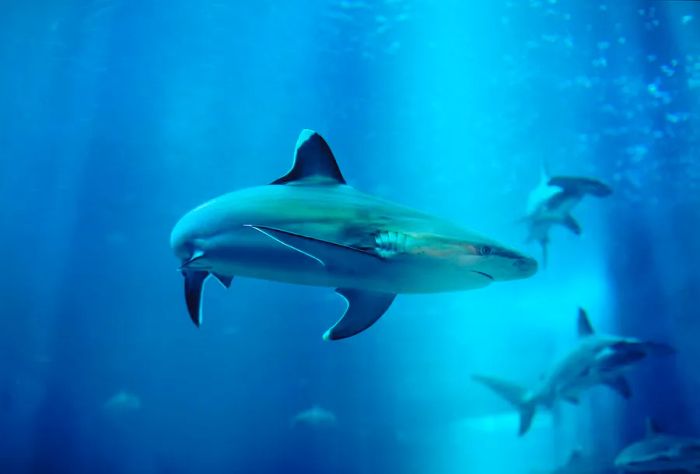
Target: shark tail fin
point(513, 394)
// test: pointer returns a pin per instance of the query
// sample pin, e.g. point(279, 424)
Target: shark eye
point(485, 250)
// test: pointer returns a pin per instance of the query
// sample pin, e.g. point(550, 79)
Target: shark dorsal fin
point(575, 457)
point(584, 324)
point(652, 427)
point(313, 162)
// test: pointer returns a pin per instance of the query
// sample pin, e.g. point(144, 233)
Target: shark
point(576, 463)
point(122, 401)
point(310, 227)
point(315, 416)
point(659, 452)
point(551, 203)
point(597, 359)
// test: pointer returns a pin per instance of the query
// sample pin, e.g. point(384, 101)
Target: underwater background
point(117, 117)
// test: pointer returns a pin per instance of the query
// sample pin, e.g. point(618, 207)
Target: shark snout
point(525, 266)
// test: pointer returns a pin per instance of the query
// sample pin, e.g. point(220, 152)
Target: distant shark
point(551, 203)
point(660, 453)
point(122, 401)
point(595, 360)
point(315, 416)
point(309, 227)
point(575, 464)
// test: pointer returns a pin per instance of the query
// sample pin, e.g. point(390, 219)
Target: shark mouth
point(484, 274)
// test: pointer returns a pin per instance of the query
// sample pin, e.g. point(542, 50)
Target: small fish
point(597, 359)
point(660, 453)
point(315, 416)
point(309, 227)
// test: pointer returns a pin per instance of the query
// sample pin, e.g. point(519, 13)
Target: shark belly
point(245, 252)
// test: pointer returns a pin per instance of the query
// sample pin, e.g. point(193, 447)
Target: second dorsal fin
point(314, 163)
point(584, 324)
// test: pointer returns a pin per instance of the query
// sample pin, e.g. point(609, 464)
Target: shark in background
point(578, 463)
point(597, 359)
point(551, 203)
point(660, 453)
point(122, 402)
point(309, 227)
point(316, 416)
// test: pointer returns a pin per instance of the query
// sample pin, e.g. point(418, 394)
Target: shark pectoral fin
point(570, 223)
point(364, 309)
point(320, 250)
point(194, 281)
point(314, 163)
point(224, 280)
point(621, 386)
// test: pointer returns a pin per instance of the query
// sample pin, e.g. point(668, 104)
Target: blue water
point(118, 117)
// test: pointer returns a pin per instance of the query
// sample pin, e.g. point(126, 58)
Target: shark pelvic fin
point(314, 162)
point(570, 223)
point(621, 386)
point(364, 309)
point(585, 328)
point(224, 280)
point(194, 281)
point(320, 250)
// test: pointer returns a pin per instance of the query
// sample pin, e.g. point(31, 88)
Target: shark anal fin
point(194, 281)
point(364, 309)
point(570, 223)
point(621, 386)
point(223, 279)
point(314, 163)
point(322, 251)
point(585, 328)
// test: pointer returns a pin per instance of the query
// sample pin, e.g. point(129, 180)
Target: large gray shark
point(597, 359)
point(660, 453)
point(551, 203)
point(309, 227)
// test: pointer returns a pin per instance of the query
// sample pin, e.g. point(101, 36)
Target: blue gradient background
point(119, 116)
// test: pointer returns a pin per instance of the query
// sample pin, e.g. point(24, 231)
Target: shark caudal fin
point(513, 394)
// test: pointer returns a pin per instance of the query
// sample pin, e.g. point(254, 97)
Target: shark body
point(316, 416)
point(551, 203)
point(660, 453)
point(309, 227)
point(597, 359)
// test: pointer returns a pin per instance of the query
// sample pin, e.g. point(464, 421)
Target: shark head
point(497, 262)
point(660, 452)
point(619, 353)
